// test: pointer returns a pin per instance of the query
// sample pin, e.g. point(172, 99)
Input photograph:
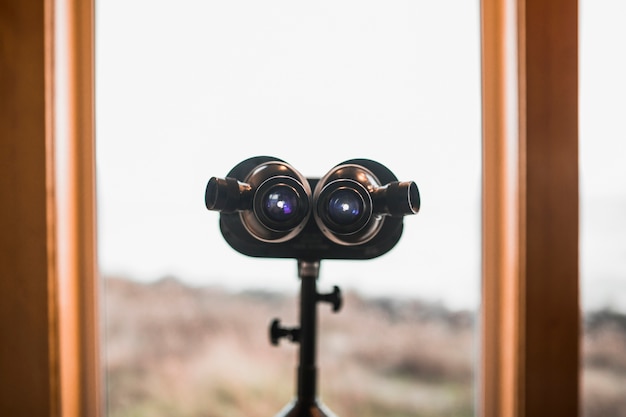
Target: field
point(176, 350)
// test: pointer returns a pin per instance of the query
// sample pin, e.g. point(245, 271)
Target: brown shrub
point(176, 350)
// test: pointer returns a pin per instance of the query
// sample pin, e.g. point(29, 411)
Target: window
point(314, 85)
point(27, 280)
point(602, 201)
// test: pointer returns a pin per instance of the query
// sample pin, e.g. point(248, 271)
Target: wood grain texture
point(28, 356)
point(48, 283)
point(500, 355)
point(531, 316)
point(548, 36)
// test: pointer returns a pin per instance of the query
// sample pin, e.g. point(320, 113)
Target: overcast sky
point(187, 89)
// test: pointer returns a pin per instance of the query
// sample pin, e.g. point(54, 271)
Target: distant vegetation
point(176, 350)
point(604, 364)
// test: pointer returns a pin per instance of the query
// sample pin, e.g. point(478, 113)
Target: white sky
point(187, 89)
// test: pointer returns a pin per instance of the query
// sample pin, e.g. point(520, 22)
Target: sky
point(185, 90)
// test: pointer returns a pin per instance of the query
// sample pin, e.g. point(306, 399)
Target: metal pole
point(308, 272)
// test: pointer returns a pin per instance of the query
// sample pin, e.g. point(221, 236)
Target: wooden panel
point(530, 316)
point(48, 291)
point(500, 356)
point(74, 151)
point(548, 58)
point(28, 356)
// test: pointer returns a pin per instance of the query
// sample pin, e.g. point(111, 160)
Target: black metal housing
point(311, 242)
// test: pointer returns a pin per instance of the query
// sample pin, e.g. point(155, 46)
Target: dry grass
point(173, 350)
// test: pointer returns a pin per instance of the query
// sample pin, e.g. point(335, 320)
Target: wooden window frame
point(49, 324)
point(530, 350)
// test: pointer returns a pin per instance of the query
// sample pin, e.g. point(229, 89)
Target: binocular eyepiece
point(351, 203)
point(274, 200)
point(356, 202)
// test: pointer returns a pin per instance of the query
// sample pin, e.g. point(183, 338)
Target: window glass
point(185, 91)
point(603, 205)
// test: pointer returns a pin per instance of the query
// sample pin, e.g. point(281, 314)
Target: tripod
point(269, 210)
point(306, 403)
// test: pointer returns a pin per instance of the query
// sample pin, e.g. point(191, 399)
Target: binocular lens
point(280, 203)
point(345, 206)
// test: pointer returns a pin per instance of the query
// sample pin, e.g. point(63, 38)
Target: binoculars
point(268, 209)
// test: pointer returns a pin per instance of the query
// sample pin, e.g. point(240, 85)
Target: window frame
point(530, 316)
point(49, 321)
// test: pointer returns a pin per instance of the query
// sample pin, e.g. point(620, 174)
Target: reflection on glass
point(603, 206)
point(185, 90)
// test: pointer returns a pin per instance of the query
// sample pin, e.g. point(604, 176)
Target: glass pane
point(603, 205)
point(185, 91)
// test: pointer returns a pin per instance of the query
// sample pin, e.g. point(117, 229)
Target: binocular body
point(268, 209)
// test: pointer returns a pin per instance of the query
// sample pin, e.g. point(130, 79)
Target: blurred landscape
point(172, 349)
